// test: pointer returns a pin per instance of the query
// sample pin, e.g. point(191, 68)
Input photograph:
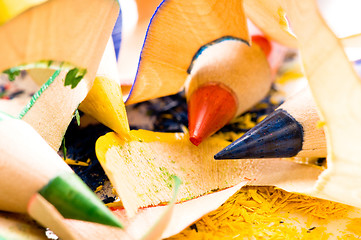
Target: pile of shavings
point(270, 213)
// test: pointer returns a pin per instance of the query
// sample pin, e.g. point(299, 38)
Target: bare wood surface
point(175, 35)
point(27, 164)
point(140, 168)
point(241, 68)
point(302, 107)
point(337, 92)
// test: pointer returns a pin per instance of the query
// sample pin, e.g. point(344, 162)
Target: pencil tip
point(74, 200)
point(210, 107)
point(196, 140)
point(264, 44)
point(278, 135)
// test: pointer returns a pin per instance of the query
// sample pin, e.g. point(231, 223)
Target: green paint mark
point(74, 76)
point(177, 183)
point(167, 177)
point(38, 93)
point(74, 200)
point(12, 73)
point(63, 147)
point(50, 62)
point(77, 116)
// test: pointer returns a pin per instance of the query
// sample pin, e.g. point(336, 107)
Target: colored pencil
point(227, 79)
point(32, 171)
point(289, 131)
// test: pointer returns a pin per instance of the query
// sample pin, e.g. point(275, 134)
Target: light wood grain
point(337, 92)
point(176, 33)
point(69, 31)
point(269, 16)
point(303, 109)
point(241, 68)
point(139, 169)
point(27, 163)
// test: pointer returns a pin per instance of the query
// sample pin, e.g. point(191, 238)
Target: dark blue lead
point(278, 135)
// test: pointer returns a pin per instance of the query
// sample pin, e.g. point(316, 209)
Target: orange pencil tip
point(263, 42)
point(210, 107)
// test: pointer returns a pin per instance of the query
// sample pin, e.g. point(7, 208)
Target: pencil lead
point(210, 107)
point(263, 43)
point(278, 135)
point(72, 198)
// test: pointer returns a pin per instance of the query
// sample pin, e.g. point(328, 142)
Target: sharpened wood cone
point(72, 198)
point(209, 108)
point(278, 135)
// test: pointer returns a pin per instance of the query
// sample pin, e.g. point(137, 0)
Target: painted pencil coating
point(72, 198)
point(210, 108)
point(227, 79)
point(278, 135)
point(290, 131)
point(30, 166)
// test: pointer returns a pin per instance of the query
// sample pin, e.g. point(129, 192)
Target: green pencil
point(30, 167)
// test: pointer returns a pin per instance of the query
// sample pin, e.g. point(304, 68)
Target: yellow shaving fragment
point(265, 213)
point(77, 163)
point(320, 124)
point(117, 204)
point(99, 188)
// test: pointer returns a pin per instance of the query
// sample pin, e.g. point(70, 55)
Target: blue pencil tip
point(279, 135)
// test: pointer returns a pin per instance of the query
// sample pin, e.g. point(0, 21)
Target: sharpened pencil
point(31, 170)
point(289, 131)
point(228, 78)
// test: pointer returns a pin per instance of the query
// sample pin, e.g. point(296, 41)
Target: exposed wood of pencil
point(176, 33)
point(48, 216)
point(104, 101)
point(70, 229)
point(239, 67)
point(303, 109)
point(337, 92)
point(27, 164)
point(144, 226)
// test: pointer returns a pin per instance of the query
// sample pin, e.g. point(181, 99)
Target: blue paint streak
point(117, 33)
point(196, 55)
point(204, 47)
point(145, 40)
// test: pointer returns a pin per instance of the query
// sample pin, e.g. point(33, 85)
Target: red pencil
point(227, 79)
